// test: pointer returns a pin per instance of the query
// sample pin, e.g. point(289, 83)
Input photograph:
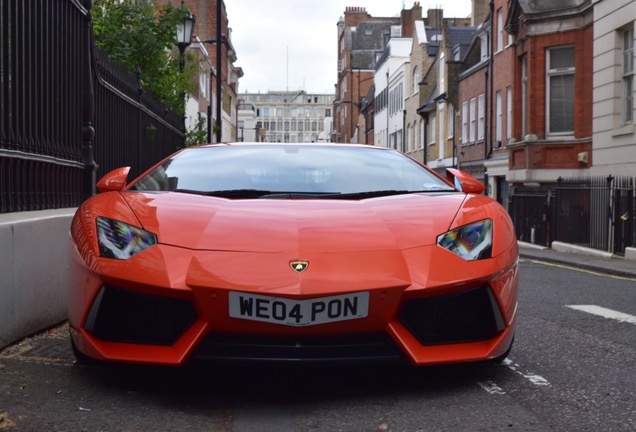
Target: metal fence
point(131, 127)
point(593, 212)
point(67, 114)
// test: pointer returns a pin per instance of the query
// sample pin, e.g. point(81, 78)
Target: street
point(572, 368)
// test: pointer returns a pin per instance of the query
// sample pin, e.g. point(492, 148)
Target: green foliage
point(198, 134)
point(142, 35)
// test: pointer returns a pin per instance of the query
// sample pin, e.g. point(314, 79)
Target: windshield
point(296, 170)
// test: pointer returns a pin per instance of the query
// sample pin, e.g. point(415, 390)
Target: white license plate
point(299, 312)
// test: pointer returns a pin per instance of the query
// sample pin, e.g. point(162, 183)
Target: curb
point(533, 252)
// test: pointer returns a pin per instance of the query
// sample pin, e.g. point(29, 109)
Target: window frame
point(627, 76)
point(557, 74)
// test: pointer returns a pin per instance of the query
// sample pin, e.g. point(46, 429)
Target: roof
point(461, 37)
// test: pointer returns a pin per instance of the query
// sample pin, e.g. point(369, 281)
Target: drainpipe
point(492, 76)
point(403, 130)
point(486, 106)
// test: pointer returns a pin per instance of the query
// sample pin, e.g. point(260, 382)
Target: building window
point(500, 30)
point(451, 120)
point(473, 121)
point(442, 129)
point(432, 129)
point(524, 96)
point(484, 47)
point(465, 122)
point(481, 113)
point(560, 88)
point(627, 95)
point(442, 73)
point(499, 119)
point(509, 113)
point(204, 81)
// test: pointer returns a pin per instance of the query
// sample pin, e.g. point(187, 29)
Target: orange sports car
point(271, 251)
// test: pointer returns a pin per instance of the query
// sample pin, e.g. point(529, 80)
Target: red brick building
point(526, 96)
point(553, 67)
point(360, 37)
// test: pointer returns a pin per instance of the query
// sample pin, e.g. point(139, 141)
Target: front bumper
point(119, 313)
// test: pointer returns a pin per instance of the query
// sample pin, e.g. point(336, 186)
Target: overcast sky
point(292, 44)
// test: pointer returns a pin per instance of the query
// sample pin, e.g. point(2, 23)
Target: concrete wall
point(33, 265)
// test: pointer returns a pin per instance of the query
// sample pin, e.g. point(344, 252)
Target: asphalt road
point(573, 368)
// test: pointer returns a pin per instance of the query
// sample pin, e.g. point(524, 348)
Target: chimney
point(355, 14)
point(435, 18)
point(480, 11)
point(408, 18)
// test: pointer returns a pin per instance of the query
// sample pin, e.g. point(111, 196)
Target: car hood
point(274, 225)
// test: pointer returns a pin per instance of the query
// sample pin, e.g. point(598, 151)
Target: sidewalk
point(580, 258)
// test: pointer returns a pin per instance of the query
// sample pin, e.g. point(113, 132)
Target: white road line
point(491, 387)
point(533, 378)
point(578, 269)
point(605, 313)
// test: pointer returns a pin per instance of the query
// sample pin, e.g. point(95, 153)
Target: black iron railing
point(597, 212)
point(41, 83)
point(67, 114)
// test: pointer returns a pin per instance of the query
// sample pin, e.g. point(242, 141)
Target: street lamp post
point(184, 38)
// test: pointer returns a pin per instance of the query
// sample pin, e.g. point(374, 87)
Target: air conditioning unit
point(582, 157)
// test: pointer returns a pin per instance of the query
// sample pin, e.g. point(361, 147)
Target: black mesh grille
point(466, 316)
point(358, 347)
point(120, 315)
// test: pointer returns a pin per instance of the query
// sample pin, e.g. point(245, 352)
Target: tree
point(141, 35)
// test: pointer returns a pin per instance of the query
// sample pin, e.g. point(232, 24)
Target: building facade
point(552, 91)
point(287, 116)
point(614, 134)
point(360, 38)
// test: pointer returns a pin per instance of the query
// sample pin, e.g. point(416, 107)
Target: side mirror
point(114, 180)
point(464, 182)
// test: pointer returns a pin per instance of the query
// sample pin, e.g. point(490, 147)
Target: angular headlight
point(121, 241)
point(471, 242)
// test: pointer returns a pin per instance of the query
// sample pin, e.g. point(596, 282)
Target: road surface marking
point(605, 313)
point(491, 387)
point(533, 378)
point(582, 270)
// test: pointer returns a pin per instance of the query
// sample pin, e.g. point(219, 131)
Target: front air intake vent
point(120, 315)
point(466, 316)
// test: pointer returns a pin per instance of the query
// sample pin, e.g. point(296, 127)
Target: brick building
point(360, 38)
point(526, 95)
point(204, 104)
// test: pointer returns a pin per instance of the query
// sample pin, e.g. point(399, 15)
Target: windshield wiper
point(367, 194)
point(228, 193)
point(269, 194)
